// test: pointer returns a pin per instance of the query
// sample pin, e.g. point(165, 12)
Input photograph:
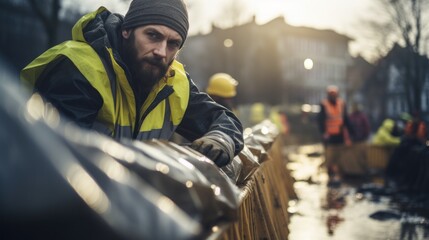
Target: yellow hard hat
point(222, 85)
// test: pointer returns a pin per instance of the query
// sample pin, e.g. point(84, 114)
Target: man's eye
point(152, 35)
point(174, 44)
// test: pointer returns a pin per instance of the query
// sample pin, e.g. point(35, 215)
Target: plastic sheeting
point(259, 138)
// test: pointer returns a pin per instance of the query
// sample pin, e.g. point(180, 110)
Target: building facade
point(385, 93)
point(274, 63)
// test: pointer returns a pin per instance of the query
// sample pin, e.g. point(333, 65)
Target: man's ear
point(126, 33)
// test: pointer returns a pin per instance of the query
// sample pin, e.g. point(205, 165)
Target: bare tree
point(405, 24)
point(234, 13)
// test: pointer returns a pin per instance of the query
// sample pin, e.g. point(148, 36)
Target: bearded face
point(148, 51)
point(146, 69)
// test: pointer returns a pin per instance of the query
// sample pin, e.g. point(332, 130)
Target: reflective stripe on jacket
point(160, 114)
point(334, 116)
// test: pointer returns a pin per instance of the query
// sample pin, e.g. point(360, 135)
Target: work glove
point(217, 146)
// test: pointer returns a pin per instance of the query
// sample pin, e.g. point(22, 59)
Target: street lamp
point(308, 64)
point(228, 42)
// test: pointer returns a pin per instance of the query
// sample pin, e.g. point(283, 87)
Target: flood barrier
point(360, 158)
point(264, 198)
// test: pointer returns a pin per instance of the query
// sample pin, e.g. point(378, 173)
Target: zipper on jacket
point(163, 94)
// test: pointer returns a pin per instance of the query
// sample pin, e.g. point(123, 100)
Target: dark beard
point(145, 72)
point(333, 101)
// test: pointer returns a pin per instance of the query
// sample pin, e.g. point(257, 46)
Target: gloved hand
point(217, 146)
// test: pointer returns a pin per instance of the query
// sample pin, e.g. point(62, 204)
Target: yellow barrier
point(264, 202)
point(359, 158)
point(378, 156)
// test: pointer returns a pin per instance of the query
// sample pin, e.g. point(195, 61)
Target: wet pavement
point(352, 209)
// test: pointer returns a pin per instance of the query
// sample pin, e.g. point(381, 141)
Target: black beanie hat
point(170, 13)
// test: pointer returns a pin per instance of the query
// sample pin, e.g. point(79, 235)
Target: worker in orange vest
point(334, 126)
point(416, 129)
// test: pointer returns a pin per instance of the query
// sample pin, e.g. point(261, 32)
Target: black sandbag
point(54, 188)
point(225, 192)
point(233, 169)
point(189, 187)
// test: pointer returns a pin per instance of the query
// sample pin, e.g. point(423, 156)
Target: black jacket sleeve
point(66, 88)
point(347, 122)
point(204, 115)
point(321, 118)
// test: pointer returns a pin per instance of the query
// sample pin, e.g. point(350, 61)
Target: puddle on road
point(356, 209)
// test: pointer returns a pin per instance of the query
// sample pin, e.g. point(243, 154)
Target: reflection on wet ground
point(353, 209)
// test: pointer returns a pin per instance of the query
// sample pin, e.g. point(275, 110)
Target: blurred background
point(283, 53)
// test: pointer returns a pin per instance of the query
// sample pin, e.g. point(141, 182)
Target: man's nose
point(161, 49)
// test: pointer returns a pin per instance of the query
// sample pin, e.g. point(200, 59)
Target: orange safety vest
point(334, 116)
point(416, 129)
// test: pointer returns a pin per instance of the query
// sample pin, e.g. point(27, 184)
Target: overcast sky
point(343, 16)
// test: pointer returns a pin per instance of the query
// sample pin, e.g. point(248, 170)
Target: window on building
point(424, 100)
point(390, 107)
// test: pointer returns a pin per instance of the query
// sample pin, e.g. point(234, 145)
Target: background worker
point(384, 135)
point(400, 124)
point(360, 123)
point(119, 76)
point(334, 126)
point(407, 164)
point(222, 88)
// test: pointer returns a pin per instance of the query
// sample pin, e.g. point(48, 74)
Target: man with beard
point(119, 76)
